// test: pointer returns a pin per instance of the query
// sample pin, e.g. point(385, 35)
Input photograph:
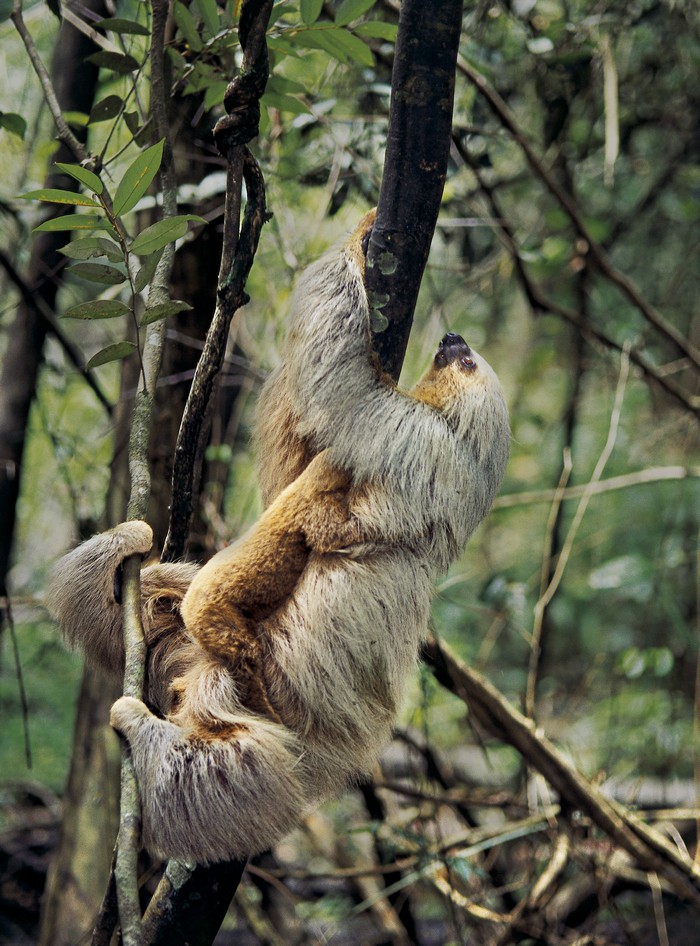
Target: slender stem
point(64, 132)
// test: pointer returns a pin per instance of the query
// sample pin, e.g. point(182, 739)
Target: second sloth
point(280, 665)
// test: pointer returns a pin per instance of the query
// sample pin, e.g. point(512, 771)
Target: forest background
point(567, 251)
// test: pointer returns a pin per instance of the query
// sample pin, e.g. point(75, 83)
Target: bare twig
point(536, 636)
point(654, 474)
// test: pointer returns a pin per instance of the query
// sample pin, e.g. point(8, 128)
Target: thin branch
point(654, 474)
point(542, 303)
point(231, 296)
point(64, 132)
point(39, 305)
point(128, 843)
point(595, 250)
point(240, 125)
point(536, 636)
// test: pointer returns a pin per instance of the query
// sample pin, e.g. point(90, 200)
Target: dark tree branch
point(190, 905)
point(415, 166)
point(231, 296)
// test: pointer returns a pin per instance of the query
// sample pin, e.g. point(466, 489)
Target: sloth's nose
point(453, 340)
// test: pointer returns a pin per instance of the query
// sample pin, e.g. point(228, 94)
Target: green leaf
point(310, 10)
point(76, 119)
point(350, 10)
point(99, 272)
point(90, 180)
point(105, 109)
point(133, 122)
point(13, 123)
point(147, 271)
point(209, 12)
point(161, 311)
point(5, 9)
point(285, 103)
point(111, 353)
point(54, 195)
point(187, 25)
point(87, 247)
point(351, 46)
point(338, 43)
point(376, 29)
point(70, 222)
point(97, 309)
point(137, 179)
point(161, 233)
point(115, 62)
point(118, 25)
point(215, 94)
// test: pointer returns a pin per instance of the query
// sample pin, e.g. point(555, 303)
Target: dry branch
point(650, 850)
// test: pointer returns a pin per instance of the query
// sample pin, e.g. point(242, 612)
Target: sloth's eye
point(467, 362)
point(440, 359)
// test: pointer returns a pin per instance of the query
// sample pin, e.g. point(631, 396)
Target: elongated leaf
point(54, 195)
point(107, 108)
point(187, 25)
point(147, 271)
point(350, 10)
point(338, 43)
point(13, 123)
point(87, 247)
point(215, 94)
point(137, 179)
point(70, 222)
point(209, 12)
point(161, 311)
point(133, 122)
point(376, 29)
point(111, 353)
point(310, 11)
point(115, 62)
point(118, 25)
point(350, 46)
point(90, 180)
point(285, 103)
point(97, 309)
point(161, 233)
point(99, 272)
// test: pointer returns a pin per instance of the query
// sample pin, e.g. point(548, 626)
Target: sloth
point(276, 671)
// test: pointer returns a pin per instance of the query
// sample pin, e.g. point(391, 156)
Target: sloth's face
point(453, 350)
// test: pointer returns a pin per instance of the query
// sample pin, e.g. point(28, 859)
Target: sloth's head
point(457, 374)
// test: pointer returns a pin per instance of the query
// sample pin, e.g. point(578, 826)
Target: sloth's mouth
point(453, 348)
